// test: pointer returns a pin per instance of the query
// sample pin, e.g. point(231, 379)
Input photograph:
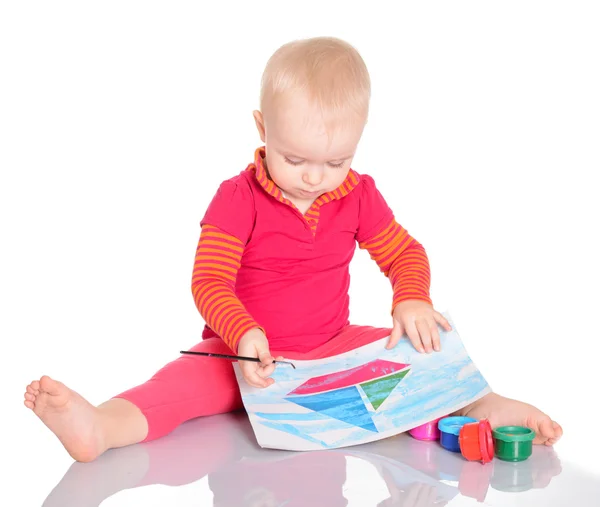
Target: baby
point(271, 272)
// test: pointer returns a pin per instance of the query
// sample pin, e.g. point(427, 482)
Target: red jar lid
point(486, 442)
point(476, 442)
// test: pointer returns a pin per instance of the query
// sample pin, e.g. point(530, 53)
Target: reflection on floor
point(240, 473)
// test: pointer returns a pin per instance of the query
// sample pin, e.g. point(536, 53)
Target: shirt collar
point(258, 167)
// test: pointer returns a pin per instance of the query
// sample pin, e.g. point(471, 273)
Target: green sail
point(379, 389)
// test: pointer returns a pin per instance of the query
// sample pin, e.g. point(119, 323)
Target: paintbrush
point(235, 358)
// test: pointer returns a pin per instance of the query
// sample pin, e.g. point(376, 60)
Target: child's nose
point(313, 176)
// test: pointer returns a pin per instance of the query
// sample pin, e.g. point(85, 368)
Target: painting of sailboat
point(344, 395)
point(363, 395)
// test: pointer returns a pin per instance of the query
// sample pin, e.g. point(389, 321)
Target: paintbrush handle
point(222, 356)
point(234, 358)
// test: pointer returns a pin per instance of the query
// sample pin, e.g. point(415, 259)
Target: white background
point(118, 120)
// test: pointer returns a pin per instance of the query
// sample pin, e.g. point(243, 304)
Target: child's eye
point(292, 162)
point(299, 162)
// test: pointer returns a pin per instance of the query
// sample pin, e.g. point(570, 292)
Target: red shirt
point(293, 275)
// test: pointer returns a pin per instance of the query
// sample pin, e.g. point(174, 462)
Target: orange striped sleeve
point(403, 260)
point(218, 258)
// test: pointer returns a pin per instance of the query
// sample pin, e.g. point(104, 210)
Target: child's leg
point(499, 410)
point(188, 387)
point(349, 338)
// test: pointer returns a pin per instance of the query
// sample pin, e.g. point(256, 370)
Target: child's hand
point(419, 321)
point(255, 344)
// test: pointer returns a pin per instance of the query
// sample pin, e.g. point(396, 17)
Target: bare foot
point(71, 418)
point(503, 411)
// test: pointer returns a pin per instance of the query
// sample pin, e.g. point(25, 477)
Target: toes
point(548, 432)
point(35, 385)
point(33, 391)
point(29, 397)
point(558, 431)
point(542, 425)
point(545, 428)
point(29, 404)
point(49, 385)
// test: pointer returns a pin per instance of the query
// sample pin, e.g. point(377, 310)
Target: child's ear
point(260, 124)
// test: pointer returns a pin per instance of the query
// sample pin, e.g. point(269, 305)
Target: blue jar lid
point(453, 425)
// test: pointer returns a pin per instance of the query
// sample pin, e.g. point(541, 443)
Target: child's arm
point(217, 262)
point(226, 228)
point(404, 261)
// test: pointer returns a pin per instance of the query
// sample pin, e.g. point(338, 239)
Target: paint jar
point(476, 442)
point(449, 429)
point(513, 443)
point(427, 431)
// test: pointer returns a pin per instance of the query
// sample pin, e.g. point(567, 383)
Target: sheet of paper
point(363, 395)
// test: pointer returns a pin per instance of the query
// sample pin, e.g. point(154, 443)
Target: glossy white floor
point(216, 461)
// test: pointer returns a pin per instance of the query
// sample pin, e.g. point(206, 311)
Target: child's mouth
point(309, 193)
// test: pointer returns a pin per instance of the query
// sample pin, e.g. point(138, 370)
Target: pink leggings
point(194, 386)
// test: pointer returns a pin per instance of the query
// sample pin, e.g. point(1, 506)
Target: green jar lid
point(514, 434)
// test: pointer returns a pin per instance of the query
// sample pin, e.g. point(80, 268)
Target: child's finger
point(256, 381)
point(262, 383)
point(425, 334)
point(414, 337)
point(250, 373)
point(265, 356)
point(395, 335)
point(435, 337)
point(440, 319)
point(266, 371)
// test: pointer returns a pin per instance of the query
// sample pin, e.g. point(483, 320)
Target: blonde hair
point(328, 70)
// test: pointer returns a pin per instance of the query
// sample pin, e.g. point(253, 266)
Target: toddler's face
point(300, 157)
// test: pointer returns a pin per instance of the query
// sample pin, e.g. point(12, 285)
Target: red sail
point(369, 371)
